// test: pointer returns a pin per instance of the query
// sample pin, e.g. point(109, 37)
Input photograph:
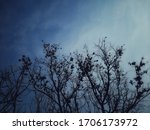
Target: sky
point(73, 23)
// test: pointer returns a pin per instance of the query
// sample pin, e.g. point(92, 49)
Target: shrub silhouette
point(87, 82)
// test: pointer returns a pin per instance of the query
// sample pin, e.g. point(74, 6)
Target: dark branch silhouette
point(87, 82)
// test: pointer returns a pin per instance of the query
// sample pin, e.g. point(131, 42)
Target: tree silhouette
point(86, 82)
point(107, 83)
point(12, 87)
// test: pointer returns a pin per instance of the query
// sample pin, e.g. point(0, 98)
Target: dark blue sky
point(72, 23)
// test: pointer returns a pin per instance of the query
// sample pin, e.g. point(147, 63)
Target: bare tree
point(12, 86)
point(91, 82)
point(109, 89)
point(53, 76)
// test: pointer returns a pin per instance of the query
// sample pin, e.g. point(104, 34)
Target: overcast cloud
point(25, 23)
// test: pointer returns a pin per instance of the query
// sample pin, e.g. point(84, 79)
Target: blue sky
point(72, 23)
